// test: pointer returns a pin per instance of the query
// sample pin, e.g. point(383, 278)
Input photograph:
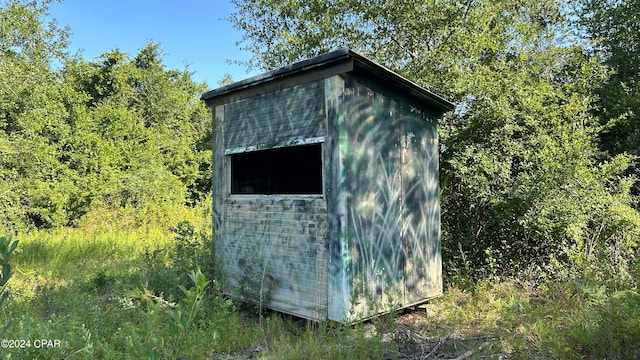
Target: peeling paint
point(371, 243)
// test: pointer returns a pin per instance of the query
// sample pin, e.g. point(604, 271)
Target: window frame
point(229, 153)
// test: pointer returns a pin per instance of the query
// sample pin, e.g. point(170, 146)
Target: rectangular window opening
point(294, 170)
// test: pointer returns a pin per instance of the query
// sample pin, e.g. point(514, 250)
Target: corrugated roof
point(328, 59)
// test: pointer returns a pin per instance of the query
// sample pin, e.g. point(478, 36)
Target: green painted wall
point(387, 254)
point(371, 242)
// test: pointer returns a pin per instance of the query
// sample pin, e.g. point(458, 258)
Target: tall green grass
point(88, 290)
point(74, 252)
point(78, 288)
point(85, 286)
point(113, 292)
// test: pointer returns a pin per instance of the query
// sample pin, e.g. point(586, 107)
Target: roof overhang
point(333, 63)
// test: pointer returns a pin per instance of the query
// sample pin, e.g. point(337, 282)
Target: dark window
point(287, 170)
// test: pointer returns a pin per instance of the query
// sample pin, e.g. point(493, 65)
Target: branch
point(437, 346)
point(471, 352)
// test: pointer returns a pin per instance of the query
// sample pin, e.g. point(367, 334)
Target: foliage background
point(538, 160)
point(539, 172)
point(120, 134)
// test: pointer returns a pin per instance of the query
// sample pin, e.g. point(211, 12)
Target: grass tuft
point(113, 294)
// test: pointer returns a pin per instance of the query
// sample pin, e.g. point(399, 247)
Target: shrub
point(7, 247)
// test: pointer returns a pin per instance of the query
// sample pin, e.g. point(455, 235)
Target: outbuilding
point(325, 188)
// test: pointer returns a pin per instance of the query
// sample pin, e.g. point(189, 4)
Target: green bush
point(604, 326)
point(167, 326)
point(7, 247)
point(167, 268)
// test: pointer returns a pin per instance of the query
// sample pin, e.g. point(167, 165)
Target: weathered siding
point(219, 186)
point(389, 235)
point(337, 247)
point(276, 246)
point(275, 119)
point(421, 205)
point(272, 247)
point(370, 243)
point(373, 184)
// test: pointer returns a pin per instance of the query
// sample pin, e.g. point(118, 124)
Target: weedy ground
point(149, 293)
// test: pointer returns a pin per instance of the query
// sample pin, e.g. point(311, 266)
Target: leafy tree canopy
point(614, 28)
point(116, 132)
point(524, 183)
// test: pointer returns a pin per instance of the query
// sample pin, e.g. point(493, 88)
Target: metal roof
point(357, 61)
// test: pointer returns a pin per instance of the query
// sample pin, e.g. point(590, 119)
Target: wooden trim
point(243, 149)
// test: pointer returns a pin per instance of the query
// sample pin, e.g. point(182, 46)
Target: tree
point(432, 42)
point(140, 140)
point(523, 184)
point(31, 114)
point(76, 135)
point(612, 27)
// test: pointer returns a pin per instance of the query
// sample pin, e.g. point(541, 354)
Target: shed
point(325, 188)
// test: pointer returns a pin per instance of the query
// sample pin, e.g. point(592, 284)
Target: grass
point(116, 294)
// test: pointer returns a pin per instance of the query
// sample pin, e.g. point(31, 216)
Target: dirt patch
point(418, 337)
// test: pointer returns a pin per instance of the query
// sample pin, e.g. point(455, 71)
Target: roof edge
point(326, 59)
point(364, 62)
point(279, 73)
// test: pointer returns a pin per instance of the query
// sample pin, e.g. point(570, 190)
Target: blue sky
point(191, 32)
